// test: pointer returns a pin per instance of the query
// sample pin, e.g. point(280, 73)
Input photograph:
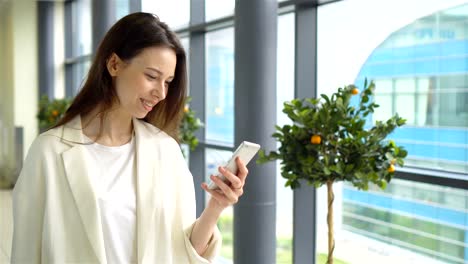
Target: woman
point(108, 184)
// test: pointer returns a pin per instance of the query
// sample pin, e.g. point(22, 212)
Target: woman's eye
point(151, 77)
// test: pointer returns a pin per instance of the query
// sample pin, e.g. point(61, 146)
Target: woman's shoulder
point(47, 140)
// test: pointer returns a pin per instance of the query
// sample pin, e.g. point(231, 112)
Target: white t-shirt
point(115, 191)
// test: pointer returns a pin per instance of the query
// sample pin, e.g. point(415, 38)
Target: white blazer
point(55, 210)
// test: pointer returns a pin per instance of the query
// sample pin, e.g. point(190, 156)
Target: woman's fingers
point(242, 170)
point(226, 189)
point(235, 181)
point(220, 197)
point(229, 191)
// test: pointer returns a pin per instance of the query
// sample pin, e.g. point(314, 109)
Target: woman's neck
point(117, 127)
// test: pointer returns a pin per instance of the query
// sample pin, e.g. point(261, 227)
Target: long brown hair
point(127, 38)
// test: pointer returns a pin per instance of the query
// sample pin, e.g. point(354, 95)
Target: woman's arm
point(227, 195)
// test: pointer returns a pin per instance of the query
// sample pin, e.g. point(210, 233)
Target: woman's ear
point(114, 63)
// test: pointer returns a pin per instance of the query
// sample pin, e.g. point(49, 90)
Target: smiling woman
point(108, 183)
point(135, 69)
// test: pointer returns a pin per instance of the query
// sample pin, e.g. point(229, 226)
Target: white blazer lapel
point(145, 185)
point(81, 186)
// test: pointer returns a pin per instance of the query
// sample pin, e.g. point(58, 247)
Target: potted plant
point(331, 140)
point(189, 125)
point(50, 111)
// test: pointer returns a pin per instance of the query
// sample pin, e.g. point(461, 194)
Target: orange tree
point(329, 141)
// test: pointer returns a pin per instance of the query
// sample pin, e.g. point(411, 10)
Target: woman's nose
point(160, 91)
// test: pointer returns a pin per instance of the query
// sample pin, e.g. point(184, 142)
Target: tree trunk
point(331, 240)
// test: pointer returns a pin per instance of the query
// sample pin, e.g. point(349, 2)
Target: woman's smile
point(147, 105)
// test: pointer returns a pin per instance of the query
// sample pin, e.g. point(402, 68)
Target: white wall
point(25, 76)
point(6, 85)
point(59, 49)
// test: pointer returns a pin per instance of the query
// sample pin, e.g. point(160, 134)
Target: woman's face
point(143, 81)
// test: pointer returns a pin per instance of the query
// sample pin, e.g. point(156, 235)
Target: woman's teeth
point(147, 104)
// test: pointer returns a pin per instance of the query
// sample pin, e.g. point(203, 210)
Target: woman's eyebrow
point(158, 71)
point(154, 69)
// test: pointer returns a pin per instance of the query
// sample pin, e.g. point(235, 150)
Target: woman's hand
point(229, 192)
point(227, 195)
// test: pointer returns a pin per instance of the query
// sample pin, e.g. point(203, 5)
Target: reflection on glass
point(285, 92)
point(213, 159)
point(175, 13)
point(220, 85)
point(215, 9)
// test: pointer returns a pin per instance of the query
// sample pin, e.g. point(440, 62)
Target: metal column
point(197, 89)
point(45, 17)
point(304, 208)
point(255, 117)
point(103, 17)
point(134, 6)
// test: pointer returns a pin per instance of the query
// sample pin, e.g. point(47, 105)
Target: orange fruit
point(355, 91)
point(391, 168)
point(315, 139)
point(55, 113)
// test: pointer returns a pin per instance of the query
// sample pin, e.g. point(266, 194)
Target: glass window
point(414, 216)
point(215, 9)
point(220, 86)
point(423, 55)
point(285, 92)
point(186, 43)
point(433, 99)
point(76, 75)
point(213, 159)
point(405, 99)
point(122, 8)
point(418, 61)
point(422, 100)
point(80, 43)
point(383, 97)
point(176, 13)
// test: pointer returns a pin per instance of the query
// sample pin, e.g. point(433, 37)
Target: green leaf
point(389, 156)
point(382, 184)
point(403, 153)
point(325, 97)
point(365, 99)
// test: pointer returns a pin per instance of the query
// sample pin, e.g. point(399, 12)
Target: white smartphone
point(246, 151)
